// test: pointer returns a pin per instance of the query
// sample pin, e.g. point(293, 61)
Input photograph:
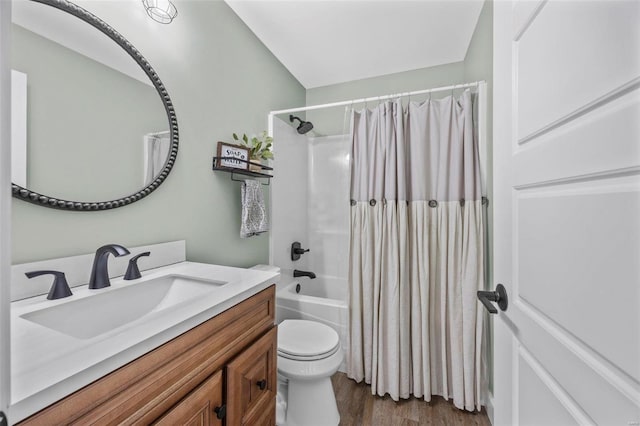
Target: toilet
point(309, 353)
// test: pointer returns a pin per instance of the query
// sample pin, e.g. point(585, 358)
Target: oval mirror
point(93, 127)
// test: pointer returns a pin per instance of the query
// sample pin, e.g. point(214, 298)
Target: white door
point(567, 212)
point(5, 205)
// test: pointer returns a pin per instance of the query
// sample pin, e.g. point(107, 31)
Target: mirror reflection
point(88, 123)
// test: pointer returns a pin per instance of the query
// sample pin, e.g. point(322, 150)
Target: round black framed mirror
point(37, 193)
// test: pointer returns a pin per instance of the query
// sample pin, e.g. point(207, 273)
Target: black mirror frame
point(56, 203)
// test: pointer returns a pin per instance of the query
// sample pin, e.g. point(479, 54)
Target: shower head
point(303, 127)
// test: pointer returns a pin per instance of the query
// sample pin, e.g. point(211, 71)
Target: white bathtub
point(323, 299)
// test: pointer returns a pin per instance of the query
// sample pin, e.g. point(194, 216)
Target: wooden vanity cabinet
point(225, 367)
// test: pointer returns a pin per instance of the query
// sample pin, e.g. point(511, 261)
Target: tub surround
point(48, 364)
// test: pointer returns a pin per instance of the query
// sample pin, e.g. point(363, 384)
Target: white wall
point(288, 196)
point(310, 201)
point(328, 206)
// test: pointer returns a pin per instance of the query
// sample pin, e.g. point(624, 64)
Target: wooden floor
point(358, 407)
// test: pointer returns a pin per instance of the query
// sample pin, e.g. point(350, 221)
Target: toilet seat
point(316, 357)
point(302, 340)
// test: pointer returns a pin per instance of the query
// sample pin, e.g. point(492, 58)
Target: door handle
point(499, 296)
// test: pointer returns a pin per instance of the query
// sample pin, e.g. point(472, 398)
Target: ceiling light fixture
point(162, 11)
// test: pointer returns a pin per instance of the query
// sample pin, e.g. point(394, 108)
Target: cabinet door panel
point(252, 382)
point(197, 408)
point(265, 415)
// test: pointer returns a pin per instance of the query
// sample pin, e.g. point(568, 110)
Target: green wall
point(221, 80)
point(478, 65)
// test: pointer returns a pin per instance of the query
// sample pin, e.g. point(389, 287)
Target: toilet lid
point(306, 340)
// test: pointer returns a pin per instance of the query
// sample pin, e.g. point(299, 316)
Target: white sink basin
point(114, 307)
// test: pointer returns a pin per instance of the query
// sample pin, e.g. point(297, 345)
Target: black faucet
point(99, 272)
point(297, 273)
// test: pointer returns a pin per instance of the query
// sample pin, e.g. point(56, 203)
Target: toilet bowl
point(308, 354)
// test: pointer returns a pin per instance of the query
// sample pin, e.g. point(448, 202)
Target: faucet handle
point(133, 272)
point(297, 250)
point(60, 287)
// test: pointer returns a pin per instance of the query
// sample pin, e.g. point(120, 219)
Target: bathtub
point(323, 299)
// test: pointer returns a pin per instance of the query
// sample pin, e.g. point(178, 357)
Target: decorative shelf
point(244, 172)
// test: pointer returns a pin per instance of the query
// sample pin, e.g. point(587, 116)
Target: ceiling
point(334, 41)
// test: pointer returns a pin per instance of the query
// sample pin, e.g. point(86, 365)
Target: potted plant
point(259, 148)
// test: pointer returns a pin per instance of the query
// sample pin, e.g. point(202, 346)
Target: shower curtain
point(156, 151)
point(416, 251)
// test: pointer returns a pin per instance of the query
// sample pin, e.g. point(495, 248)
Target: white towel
point(254, 213)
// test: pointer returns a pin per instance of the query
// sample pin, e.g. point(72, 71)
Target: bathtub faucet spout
point(297, 273)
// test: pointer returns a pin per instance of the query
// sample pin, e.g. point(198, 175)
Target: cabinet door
point(252, 383)
point(265, 415)
point(197, 408)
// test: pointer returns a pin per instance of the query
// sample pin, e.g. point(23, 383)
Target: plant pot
point(255, 167)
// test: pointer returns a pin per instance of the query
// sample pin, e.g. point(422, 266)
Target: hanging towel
point(254, 213)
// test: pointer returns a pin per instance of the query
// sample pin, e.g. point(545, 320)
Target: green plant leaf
point(259, 146)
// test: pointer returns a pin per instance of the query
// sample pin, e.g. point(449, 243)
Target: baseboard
point(489, 406)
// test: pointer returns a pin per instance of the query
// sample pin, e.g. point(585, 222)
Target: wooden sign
point(227, 154)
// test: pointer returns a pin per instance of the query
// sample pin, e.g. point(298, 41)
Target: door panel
point(579, 267)
point(591, 381)
point(535, 394)
point(601, 141)
point(566, 212)
point(571, 55)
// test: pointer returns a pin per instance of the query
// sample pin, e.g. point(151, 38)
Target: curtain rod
point(377, 98)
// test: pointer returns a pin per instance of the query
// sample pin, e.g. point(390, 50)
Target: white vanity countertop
point(47, 365)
